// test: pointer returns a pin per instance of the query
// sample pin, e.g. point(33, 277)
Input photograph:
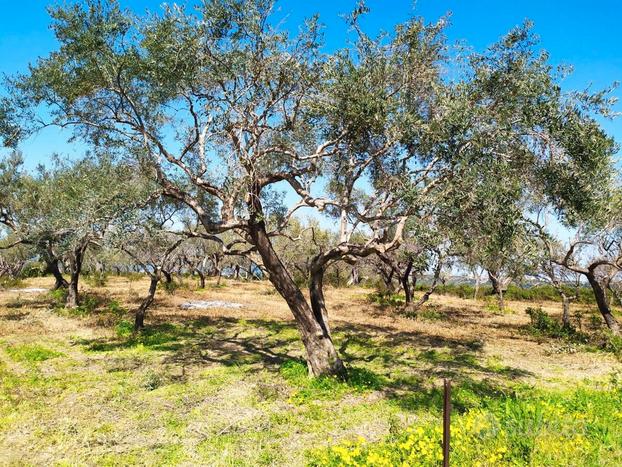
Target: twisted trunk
point(201, 278)
point(603, 303)
point(322, 358)
point(316, 296)
point(52, 268)
point(354, 276)
point(497, 289)
point(139, 317)
point(75, 267)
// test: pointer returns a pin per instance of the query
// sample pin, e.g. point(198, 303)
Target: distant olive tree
point(61, 211)
point(146, 235)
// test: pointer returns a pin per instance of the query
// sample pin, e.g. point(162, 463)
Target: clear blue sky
point(587, 35)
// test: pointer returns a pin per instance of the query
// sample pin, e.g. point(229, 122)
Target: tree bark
point(565, 310)
point(201, 278)
point(408, 290)
point(75, 266)
point(354, 276)
point(52, 268)
point(316, 296)
point(139, 317)
point(603, 304)
point(168, 277)
point(322, 356)
point(497, 289)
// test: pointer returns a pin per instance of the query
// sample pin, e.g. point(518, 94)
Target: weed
point(386, 299)
point(58, 297)
point(327, 387)
point(10, 282)
point(530, 427)
point(152, 381)
point(115, 308)
point(431, 313)
point(609, 342)
point(170, 287)
point(88, 304)
point(124, 328)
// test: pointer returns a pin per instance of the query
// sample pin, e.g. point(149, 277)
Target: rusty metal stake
point(446, 422)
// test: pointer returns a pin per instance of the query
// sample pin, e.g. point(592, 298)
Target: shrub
point(170, 287)
point(88, 303)
point(34, 269)
point(386, 299)
point(10, 282)
point(542, 292)
point(543, 325)
point(124, 328)
point(115, 308)
point(152, 381)
point(609, 342)
point(58, 297)
point(96, 279)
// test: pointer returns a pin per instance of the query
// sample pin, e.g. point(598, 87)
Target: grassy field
point(229, 386)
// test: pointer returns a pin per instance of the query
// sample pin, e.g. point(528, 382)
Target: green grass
point(30, 353)
point(224, 391)
point(578, 427)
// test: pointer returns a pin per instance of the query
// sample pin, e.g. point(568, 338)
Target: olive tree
point(597, 256)
point(146, 236)
point(63, 210)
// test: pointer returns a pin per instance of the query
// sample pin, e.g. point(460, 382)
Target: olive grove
point(224, 110)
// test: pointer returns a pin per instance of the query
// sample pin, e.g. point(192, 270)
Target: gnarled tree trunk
point(52, 268)
point(316, 296)
point(75, 267)
point(497, 289)
point(603, 303)
point(201, 278)
point(322, 358)
point(355, 278)
point(139, 317)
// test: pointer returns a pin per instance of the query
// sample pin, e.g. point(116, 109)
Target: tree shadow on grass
point(225, 341)
point(405, 366)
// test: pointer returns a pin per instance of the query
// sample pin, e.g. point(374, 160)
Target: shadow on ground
point(405, 366)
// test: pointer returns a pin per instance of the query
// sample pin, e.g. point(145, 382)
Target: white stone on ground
point(29, 290)
point(204, 304)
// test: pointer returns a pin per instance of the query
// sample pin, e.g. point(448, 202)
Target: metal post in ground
point(446, 422)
